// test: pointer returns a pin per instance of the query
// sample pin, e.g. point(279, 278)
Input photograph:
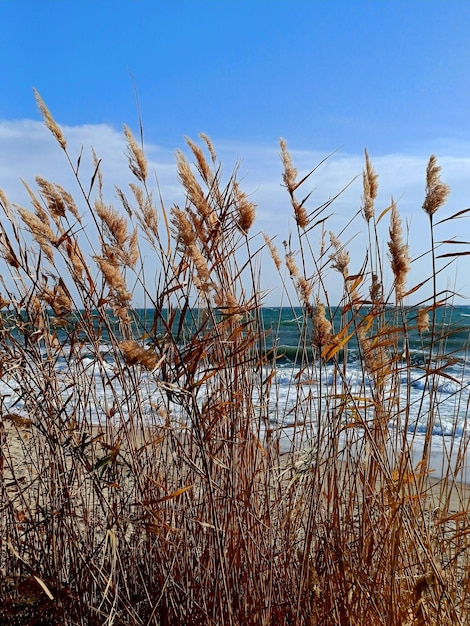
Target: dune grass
point(145, 475)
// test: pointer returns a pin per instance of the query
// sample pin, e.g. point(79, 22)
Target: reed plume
point(399, 253)
point(134, 354)
point(423, 320)
point(114, 225)
point(245, 209)
point(137, 160)
point(49, 121)
point(202, 165)
point(147, 214)
point(340, 258)
point(370, 187)
point(322, 327)
point(115, 280)
point(436, 191)
point(194, 190)
point(289, 175)
point(273, 251)
point(292, 265)
point(41, 231)
point(58, 299)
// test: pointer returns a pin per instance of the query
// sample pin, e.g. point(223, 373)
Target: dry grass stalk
point(146, 485)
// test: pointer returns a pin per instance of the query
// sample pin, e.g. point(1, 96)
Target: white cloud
point(28, 149)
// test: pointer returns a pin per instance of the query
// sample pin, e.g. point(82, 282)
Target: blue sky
point(389, 75)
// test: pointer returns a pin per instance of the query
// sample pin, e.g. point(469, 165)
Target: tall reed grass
point(146, 477)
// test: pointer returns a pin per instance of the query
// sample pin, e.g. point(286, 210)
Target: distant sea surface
point(434, 376)
point(295, 369)
point(418, 355)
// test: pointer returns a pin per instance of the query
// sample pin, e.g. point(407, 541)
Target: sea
point(433, 377)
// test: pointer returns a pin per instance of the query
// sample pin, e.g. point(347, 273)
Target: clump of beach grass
point(149, 473)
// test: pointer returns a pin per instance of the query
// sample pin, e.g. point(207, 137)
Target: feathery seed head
point(4, 203)
point(291, 265)
point(192, 187)
point(58, 299)
point(40, 230)
point(69, 202)
point(185, 234)
point(202, 165)
point(290, 173)
point(49, 121)
point(132, 253)
point(423, 320)
point(114, 279)
point(436, 190)
point(305, 288)
point(300, 214)
point(137, 160)
point(376, 289)
point(148, 217)
point(97, 175)
point(227, 302)
point(244, 208)
point(75, 256)
point(273, 250)
point(53, 198)
point(210, 146)
point(134, 354)
point(40, 212)
point(339, 258)
point(399, 253)
point(370, 188)
point(201, 266)
point(322, 327)
point(116, 225)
